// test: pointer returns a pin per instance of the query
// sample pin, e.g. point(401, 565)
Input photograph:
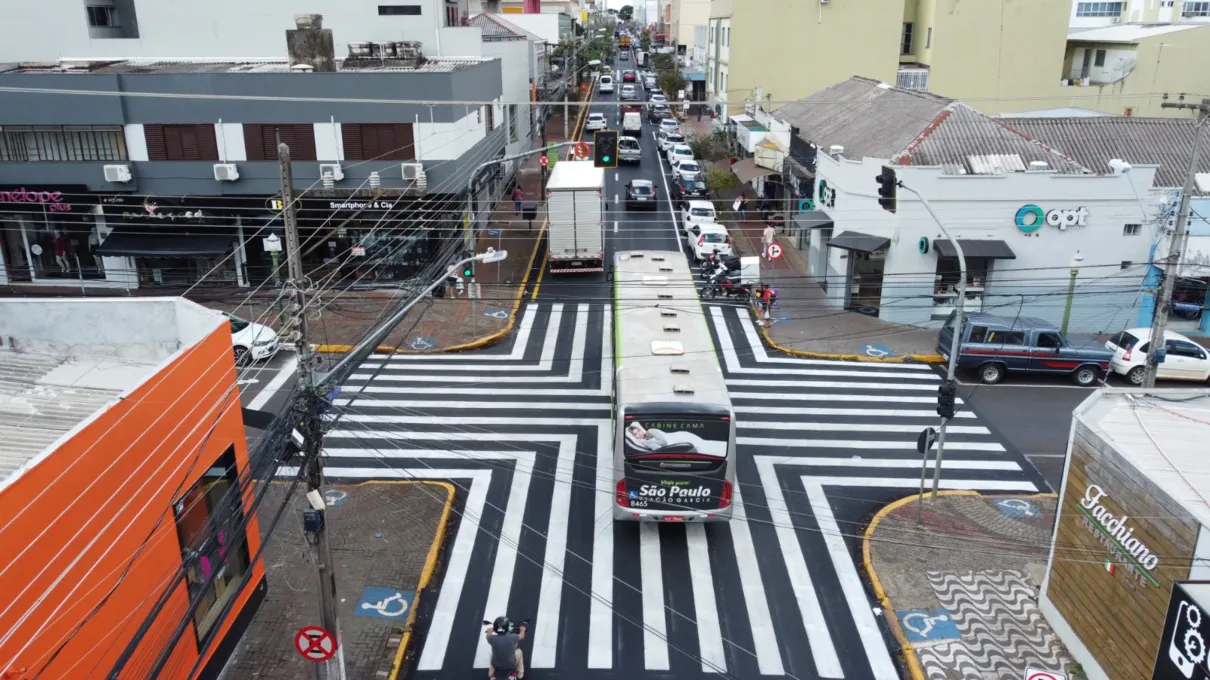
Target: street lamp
point(1076, 261)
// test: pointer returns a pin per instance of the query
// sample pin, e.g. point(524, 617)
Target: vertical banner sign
point(1182, 652)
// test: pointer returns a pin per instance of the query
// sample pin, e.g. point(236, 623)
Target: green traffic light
point(606, 159)
point(467, 272)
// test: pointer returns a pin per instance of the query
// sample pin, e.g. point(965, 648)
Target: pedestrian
point(767, 240)
point(518, 196)
point(743, 208)
point(760, 301)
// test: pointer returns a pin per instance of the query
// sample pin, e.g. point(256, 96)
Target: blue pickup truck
point(992, 346)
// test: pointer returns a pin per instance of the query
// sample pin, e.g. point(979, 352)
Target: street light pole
point(470, 186)
point(1076, 261)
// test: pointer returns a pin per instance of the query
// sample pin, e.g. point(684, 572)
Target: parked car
point(251, 341)
point(683, 190)
point(670, 125)
point(1183, 358)
point(628, 76)
point(624, 55)
point(687, 168)
point(629, 149)
point(666, 140)
point(657, 98)
point(706, 238)
point(628, 93)
point(640, 195)
point(596, 121)
point(605, 84)
point(992, 346)
point(678, 153)
point(632, 124)
point(649, 82)
point(697, 212)
point(657, 113)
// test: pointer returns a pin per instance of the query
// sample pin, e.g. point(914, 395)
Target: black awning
point(859, 242)
point(140, 242)
point(990, 249)
point(813, 219)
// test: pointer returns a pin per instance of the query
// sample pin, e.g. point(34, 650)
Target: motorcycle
point(728, 285)
point(714, 263)
point(512, 628)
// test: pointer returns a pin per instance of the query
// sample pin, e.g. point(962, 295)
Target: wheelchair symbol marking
point(876, 350)
point(421, 343)
point(496, 313)
point(1017, 507)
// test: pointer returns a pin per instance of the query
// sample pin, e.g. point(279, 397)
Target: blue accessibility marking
point(877, 351)
point(421, 343)
point(927, 625)
point(493, 232)
point(779, 319)
point(1018, 508)
point(385, 603)
point(496, 313)
point(334, 498)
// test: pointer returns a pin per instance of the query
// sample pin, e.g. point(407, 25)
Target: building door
point(13, 251)
point(865, 281)
point(1086, 66)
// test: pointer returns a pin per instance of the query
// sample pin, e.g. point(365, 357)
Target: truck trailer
point(575, 211)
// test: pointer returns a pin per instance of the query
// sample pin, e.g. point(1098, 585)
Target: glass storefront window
point(185, 271)
point(945, 287)
point(61, 248)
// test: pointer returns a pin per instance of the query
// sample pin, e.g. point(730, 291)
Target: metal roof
point(1127, 33)
point(497, 27)
point(183, 66)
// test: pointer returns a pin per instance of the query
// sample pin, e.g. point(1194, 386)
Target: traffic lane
point(649, 229)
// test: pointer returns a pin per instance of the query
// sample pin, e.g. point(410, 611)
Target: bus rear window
point(668, 439)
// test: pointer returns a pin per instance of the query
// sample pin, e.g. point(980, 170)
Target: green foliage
point(626, 12)
point(670, 83)
point(663, 62)
point(709, 147)
point(721, 179)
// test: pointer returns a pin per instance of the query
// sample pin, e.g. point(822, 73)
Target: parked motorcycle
point(728, 285)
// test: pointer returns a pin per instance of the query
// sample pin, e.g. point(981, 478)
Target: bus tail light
point(621, 498)
point(724, 500)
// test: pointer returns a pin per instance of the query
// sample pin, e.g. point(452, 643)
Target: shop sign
point(1030, 218)
point(827, 195)
point(51, 201)
point(153, 210)
point(360, 205)
point(1118, 532)
point(1182, 652)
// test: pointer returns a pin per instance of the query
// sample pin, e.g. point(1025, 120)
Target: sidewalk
point(960, 590)
point(804, 323)
point(386, 538)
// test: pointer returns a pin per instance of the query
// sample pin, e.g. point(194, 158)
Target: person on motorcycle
point(506, 648)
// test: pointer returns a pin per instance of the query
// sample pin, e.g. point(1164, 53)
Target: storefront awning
point(813, 219)
point(859, 242)
point(141, 242)
point(746, 170)
point(990, 249)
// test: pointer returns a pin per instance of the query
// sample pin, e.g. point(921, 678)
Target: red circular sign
point(543, 160)
point(1042, 675)
point(773, 251)
point(315, 643)
point(582, 150)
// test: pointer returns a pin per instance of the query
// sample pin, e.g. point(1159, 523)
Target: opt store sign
point(1030, 218)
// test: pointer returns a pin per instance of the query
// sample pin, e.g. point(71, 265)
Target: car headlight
point(265, 343)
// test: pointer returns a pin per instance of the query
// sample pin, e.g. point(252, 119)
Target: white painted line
point(506, 552)
point(1056, 385)
point(470, 420)
point(615, 176)
point(705, 607)
point(517, 353)
point(827, 663)
point(863, 398)
point(283, 374)
point(655, 623)
point(851, 427)
point(615, 227)
point(836, 412)
point(676, 234)
point(576, 365)
point(758, 351)
point(615, 199)
point(550, 595)
point(910, 483)
point(851, 586)
point(895, 463)
point(397, 453)
point(1046, 455)
point(483, 391)
point(888, 445)
point(544, 363)
point(764, 635)
point(820, 384)
point(600, 612)
point(428, 404)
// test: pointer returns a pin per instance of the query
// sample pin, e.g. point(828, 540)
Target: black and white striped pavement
point(773, 593)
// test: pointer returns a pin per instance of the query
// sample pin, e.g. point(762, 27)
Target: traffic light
point(886, 188)
point(468, 269)
point(605, 148)
point(945, 400)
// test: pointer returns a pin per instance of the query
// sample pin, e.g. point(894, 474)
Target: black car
point(657, 113)
point(640, 195)
point(683, 190)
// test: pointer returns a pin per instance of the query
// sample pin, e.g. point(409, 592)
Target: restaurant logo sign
point(151, 209)
point(52, 201)
point(1118, 531)
point(1030, 218)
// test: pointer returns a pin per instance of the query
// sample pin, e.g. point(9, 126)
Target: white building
point(1021, 211)
point(718, 53)
point(1098, 13)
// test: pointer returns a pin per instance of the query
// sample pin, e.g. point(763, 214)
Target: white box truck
point(574, 208)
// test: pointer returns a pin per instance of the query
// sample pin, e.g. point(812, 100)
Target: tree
point(626, 13)
point(670, 82)
point(721, 179)
point(709, 147)
point(645, 41)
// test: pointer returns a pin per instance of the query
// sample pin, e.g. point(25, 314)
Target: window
point(491, 117)
point(399, 10)
point(1132, 230)
point(712, 35)
point(102, 16)
point(1126, 264)
point(1099, 59)
point(978, 334)
point(1181, 348)
point(214, 548)
point(906, 48)
point(726, 37)
point(62, 143)
point(512, 122)
point(1049, 340)
point(260, 141)
point(928, 38)
point(1008, 338)
point(451, 15)
point(1195, 9)
point(1099, 9)
point(386, 141)
point(181, 142)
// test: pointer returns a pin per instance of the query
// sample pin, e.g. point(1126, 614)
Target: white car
point(605, 84)
point(658, 98)
point(706, 238)
point(687, 168)
point(679, 153)
point(697, 212)
point(669, 125)
point(251, 341)
point(666, 140)
point(1185, 359)
point(596, 121)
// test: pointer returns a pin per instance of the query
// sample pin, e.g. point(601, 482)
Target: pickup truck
point(992, 346)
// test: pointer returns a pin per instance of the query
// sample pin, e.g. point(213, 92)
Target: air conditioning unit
point(1116, 20)
point(414, 172)
point(333, 169)
point(226, 172)
point(117, 173)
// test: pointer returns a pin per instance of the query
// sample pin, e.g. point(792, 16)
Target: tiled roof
point(1093, 142)
point(496, 27)
point(183, 66)
point(873, 119)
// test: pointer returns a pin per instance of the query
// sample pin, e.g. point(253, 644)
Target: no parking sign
point(773, 251)
point(1034, 674)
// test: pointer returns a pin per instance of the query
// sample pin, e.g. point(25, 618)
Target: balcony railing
point(913, 79)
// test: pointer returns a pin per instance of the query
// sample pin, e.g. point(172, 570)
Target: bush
point(721, 179)
point(710, 148)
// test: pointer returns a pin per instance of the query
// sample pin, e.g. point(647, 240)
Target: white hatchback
point(697, 212)
point(679, 153)
point(1184, 360)
point(669, 125)
point(596, 121)
point(605, 84)
point(666, 140)
point(708, 237)
point(687, 168)
point(251, 341)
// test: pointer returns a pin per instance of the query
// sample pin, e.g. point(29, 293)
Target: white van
point(605, 84)
point(632, 124)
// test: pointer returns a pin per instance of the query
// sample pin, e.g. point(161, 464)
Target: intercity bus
point(674, 429)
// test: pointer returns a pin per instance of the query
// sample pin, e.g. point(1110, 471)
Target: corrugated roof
point(496, 26)
point(1127, 33)
point(873, 119)
point(1094, 142)
point(183, 66)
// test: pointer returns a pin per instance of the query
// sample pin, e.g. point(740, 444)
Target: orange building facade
point(124, 489)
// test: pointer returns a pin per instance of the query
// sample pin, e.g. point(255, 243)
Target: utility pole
point(311, 426)
point(1163, 304)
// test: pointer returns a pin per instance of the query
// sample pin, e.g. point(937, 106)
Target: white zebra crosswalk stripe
point(521, 341)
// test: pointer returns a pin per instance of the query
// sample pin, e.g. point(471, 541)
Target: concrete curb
point(907, 359)
point(915, 671)
point(426, 574)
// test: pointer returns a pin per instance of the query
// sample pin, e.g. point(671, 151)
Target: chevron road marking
point(863, 444)
point(764, 635)
point(600, 612)
point(517, 353)
point(757, 348)
point(709, 631)
point(834, 412)
point(655, 623)
point(852, 427)
point(429, 405)
point(778, 395)
point(822, 384)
